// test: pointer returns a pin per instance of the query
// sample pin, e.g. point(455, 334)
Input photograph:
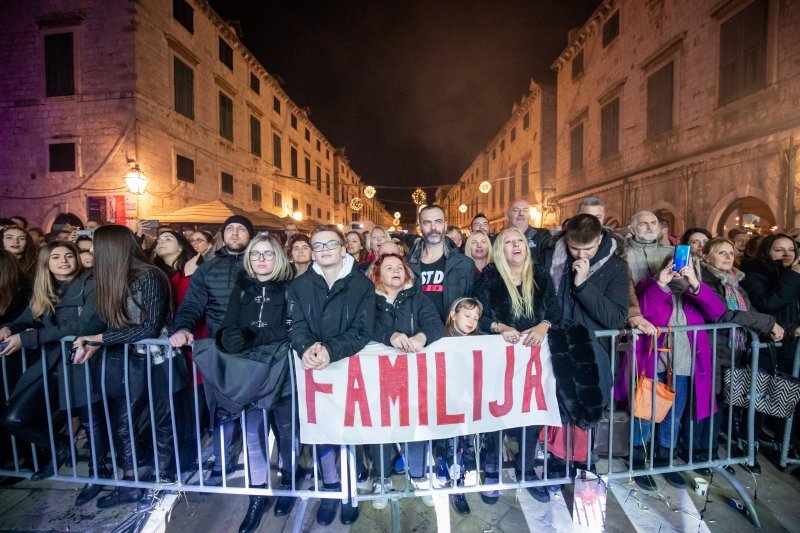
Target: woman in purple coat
point(675, 298)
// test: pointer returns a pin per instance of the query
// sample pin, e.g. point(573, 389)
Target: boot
point(460, 504)
point(349, 513)
point(327, 507)
point(638, 462)
point(284, 504)
point(673, 478)
point(258, 505)
point(120, 496)
point(90, 491)
point(47, 470)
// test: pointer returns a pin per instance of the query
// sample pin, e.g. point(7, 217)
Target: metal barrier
point(147, 473)
point(787, 429)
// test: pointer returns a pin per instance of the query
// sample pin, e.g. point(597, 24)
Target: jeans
point(664, 437)
point(257, 445)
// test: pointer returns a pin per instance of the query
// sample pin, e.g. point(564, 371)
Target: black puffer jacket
point(492, 293)
point(342, 317)
point(775, 290)
point(411, 312)
point(459, 271)
point(209, 291)
point(256, 313)
point(538, 239)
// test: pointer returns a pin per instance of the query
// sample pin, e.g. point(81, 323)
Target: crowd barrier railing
point(191, 445)
point(785, 460)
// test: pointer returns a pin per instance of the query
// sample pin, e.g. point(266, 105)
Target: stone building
point(519, 162)
point(90, 88)
point(687, 108)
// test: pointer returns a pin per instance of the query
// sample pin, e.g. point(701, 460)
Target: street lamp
point(297, 215)
point(136, 180)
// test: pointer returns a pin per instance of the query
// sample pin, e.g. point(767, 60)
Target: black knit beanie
point(239, 219)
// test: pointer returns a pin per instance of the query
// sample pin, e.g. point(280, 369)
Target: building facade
point(686, 108)
point(93, 87)
point(519, 162)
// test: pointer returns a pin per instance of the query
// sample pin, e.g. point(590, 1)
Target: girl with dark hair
point(299, 250)
point(696, 238)
point(356, 245)
point(15, 288)
point(17, 241)
point(133, 301)
point(203, 243)
point(63, 304)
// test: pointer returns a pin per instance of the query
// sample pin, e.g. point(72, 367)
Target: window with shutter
point(512, 184)
point(184, 88)
point(184, 14)
point(255, 192)
point(327, 184)
point(611, 29)
point(526, 121)
point(319, 179)
point(255, 84)
point(576, 147)
point(577, 65)
point(743, 52)
point(225, 117)
point(184, 169)
point(59, 64)
point(276, 150)
point(307, 161)
point(226, 183)
point(293, 161)
point(524, 177)
point(276, 105)
point(255, 136)
point(225, 53)
point(277, 201)
point(609, 128)
point(660, 100)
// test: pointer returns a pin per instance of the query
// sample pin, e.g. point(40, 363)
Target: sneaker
point(364, 482)
point(382, 488)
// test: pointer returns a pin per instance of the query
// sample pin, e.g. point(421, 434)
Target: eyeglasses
point(195, 241)
point(266, 254)
point(330, 245)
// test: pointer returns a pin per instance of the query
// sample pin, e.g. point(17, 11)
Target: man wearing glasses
point(332, 307)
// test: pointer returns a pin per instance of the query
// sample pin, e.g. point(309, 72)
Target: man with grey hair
point(519, 216)
point(593, 206)
point(645, 253)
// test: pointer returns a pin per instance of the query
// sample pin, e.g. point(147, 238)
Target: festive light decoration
point(485, 187)
point(136, 180)
point(369, 191)
point(462, 208)
point(396, 222)
point(392, 228)
point(419, 197)
point(356, 204)
point(397, 214)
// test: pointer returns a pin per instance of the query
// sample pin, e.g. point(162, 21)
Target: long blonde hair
point(45, 296)
point(468, 246)
point(521, 304)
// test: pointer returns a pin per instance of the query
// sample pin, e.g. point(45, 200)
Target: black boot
point(460, 504)
point(673, 478)
point(47, 470)
point(349, 513)
point(645, 481)
point(120, 496)
point(90, 491)
point(258, 505)
point(284, 504)
point(327, 507)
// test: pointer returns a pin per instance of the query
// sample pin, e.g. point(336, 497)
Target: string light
point(419, 197)
point(356, 204)
point(485, 187)
point(369, 191)
point(462, 208)
point(397, 214)
point(396, 222)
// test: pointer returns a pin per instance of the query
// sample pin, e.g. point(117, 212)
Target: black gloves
point(232, 340)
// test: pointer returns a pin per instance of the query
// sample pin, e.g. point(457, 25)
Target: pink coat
point(705, 307)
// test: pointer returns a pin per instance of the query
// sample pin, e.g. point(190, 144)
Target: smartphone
point(681, 259)
point(85, 233)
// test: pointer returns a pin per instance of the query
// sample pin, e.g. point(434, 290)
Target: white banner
point(456, 386)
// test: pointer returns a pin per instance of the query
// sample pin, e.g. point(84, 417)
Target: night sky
point(413, 90)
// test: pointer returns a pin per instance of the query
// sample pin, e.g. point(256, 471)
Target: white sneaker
point(385, 488)
point(428, 500)
point(364, 484)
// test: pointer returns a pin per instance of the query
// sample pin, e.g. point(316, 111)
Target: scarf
point(734, 299)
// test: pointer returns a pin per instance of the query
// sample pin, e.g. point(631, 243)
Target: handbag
point(777, 393)
point(557, 442)
point(620, 440)
point(664, 393)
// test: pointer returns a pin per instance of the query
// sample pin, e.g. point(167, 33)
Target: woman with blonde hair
point(479, 248)
point(518, 301)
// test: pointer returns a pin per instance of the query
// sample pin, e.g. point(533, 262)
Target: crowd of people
point(327, 295)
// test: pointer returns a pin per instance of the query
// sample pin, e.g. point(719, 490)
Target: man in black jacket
point(207, 299)
point(519, 216)
point(332, 307)
point(444, 273)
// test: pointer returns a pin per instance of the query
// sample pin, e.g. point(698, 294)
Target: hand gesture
point(4, 334)
point(14, 343)
point(181, 338)
point(777, 333)
point(581, 269)
point(190, 266)
point(83, 351)
point(666, 275)
point(401, 341)
point(690, 275)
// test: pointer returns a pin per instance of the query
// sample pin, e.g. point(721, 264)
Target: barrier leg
point(297, 525)
point(740, 489)
point(395, 515)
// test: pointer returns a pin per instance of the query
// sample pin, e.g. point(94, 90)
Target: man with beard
point(444, 273)
point(644, 253)
point(207, 299)
point(519, 216)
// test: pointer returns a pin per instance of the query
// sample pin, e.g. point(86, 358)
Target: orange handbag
point(664, 393)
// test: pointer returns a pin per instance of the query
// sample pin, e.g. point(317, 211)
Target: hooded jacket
point(209, 292)
point(459, 271)
point(411, 312)
point(341, 317)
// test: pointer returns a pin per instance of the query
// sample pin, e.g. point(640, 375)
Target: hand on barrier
point(181, 338)
point(777, 333)
point(10, 345)
point(316, 357)
point(401, 341)
point(4, 334)
point(85, 347)
point(536, 334)
point(510, 335)
point(642, 324)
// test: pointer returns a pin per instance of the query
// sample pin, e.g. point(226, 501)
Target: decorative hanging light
point(396, 222)
point(136, 180)
point(369, 191)
point(485, 187)
point(397, 214)
point(419, 197)
point(462, 208)
point(356, 204)
point(392, 228)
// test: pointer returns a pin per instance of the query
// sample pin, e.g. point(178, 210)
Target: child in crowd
point(462, 320)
